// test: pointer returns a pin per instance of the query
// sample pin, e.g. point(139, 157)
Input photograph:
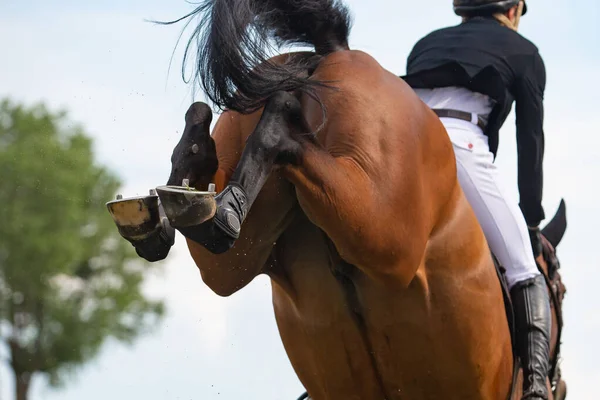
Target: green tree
point(68, 281)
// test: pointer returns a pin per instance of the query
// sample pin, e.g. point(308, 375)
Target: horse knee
point(281, 102)
point(289, 107)
point(276, 134)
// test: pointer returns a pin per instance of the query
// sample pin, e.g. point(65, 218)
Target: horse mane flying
point(233, 39)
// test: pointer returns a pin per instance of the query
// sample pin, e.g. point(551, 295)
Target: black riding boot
point(533, 323)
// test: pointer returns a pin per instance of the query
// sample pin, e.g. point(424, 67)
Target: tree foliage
point(68, 281)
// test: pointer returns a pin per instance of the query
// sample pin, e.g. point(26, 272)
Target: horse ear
point(556, 228)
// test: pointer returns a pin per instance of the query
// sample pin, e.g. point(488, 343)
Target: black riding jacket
point(488, 58)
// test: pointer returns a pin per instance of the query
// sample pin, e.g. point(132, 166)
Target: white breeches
point(501, 220)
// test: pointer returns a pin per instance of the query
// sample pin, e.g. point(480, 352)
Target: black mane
point(233, 40)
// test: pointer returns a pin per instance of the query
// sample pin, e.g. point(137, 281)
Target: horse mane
point(235, 40)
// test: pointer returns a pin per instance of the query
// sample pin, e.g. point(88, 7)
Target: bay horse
point(337, 182)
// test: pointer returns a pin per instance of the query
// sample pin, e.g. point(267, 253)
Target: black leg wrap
point(210, 236)
point(533, 323)
point(157, 245)
point(220, 233)
point(232, 208)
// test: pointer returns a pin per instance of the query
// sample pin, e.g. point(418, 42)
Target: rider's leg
point(506, 231)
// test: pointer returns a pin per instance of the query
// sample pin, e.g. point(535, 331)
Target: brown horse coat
point(383, 284)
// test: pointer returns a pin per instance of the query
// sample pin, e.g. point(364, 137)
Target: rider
point(470, 74)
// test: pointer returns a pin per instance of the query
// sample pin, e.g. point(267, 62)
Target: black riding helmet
point(469, 8)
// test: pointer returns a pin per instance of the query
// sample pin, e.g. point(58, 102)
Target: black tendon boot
point(533, 323)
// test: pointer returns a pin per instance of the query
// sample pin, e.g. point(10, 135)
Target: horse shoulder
point(387, 145)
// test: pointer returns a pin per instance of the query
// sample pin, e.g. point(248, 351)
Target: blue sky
point(108, 67)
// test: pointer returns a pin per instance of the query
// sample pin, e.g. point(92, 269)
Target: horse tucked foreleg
point(203, 158)
point(264, 149)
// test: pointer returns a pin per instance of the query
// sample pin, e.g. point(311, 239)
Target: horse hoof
point(186, 207)
point(136, 218)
